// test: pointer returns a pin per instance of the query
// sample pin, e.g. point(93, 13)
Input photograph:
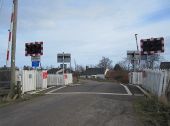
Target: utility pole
point(13, 49)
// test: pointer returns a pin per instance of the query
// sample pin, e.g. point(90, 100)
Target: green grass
point(152, 112)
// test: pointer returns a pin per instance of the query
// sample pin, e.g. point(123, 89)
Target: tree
point(117, 67)
point(80, 68)
point(124, 64)
point(152, 61)
point(105, 63)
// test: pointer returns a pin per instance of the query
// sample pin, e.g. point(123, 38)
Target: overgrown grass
point(4, 102)
point(152, 112)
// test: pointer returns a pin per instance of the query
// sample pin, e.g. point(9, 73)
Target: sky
point(88, 29)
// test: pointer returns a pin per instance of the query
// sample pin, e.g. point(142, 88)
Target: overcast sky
point(88, 29)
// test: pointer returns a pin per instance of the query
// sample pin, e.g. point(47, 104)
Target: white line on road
point(127, 89)
point(89, 93)
point(35, 92)
point(139, 95)
point(74, 85)
point(146, 93)
point(55, 90)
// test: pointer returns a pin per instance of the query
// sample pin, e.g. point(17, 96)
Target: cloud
point(88, 29)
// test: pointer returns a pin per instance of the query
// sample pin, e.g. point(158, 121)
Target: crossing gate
point(57, 79)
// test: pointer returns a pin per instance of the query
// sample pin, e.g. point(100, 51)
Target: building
point(94, 73)
point(165, 65)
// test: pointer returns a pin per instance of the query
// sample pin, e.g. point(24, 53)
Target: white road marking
point(35, 92)
point(146, 93)
point(74, 85)
point(138, 94)
point(89, 93)
point(55, 90)
point(127, 89)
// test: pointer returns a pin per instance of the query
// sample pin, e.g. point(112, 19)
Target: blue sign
point(35, 63)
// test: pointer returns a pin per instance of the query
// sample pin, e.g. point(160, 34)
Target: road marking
point(74, 85)
point(127, 89)
point(146, 93)
point(55, 90)
point(138, 94)
point(89, 93)
point(35, 92)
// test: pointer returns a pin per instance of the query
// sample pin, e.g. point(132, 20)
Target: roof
point(53, 70)
point(165, 65)
point(94, 71)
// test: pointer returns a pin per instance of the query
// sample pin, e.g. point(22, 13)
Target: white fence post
point(156, 81)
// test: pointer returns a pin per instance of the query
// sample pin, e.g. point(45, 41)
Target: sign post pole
point(63, 70)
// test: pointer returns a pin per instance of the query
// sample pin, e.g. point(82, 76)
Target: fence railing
point(57, 79)
point(155, 81)
point(31, 80)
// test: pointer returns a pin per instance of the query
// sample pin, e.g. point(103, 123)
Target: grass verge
point(152, 112)
point(4, 102)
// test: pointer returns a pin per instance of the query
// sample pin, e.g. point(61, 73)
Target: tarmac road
point(90, 104)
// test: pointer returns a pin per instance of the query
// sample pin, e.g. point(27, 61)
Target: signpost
point(150, 50)
point(35, 50)
point(134, 57)
point(35, 58)
point(64, 58)
point(65, 66)
point(152, 46)
point(35, 64)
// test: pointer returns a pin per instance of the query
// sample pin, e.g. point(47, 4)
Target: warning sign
point(45, 75)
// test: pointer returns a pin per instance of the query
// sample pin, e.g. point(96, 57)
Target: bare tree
point(153, 61)
point(124, 64)
point(80, 68)
point(105, 63)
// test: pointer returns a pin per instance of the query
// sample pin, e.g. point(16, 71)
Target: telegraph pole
point(13, 49)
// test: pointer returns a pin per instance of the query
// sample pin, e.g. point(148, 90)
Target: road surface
point(89, 104)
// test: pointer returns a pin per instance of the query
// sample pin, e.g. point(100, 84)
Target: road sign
point(44, 75)
point(65, 66)
point(152, 46)
point(34, 49)
point(66, 57)
point(35, 64)
point(35, 58)
point(133, 55)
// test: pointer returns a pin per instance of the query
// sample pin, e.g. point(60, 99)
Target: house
point(94, 73)
point(58, 71)
point(165, 65)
